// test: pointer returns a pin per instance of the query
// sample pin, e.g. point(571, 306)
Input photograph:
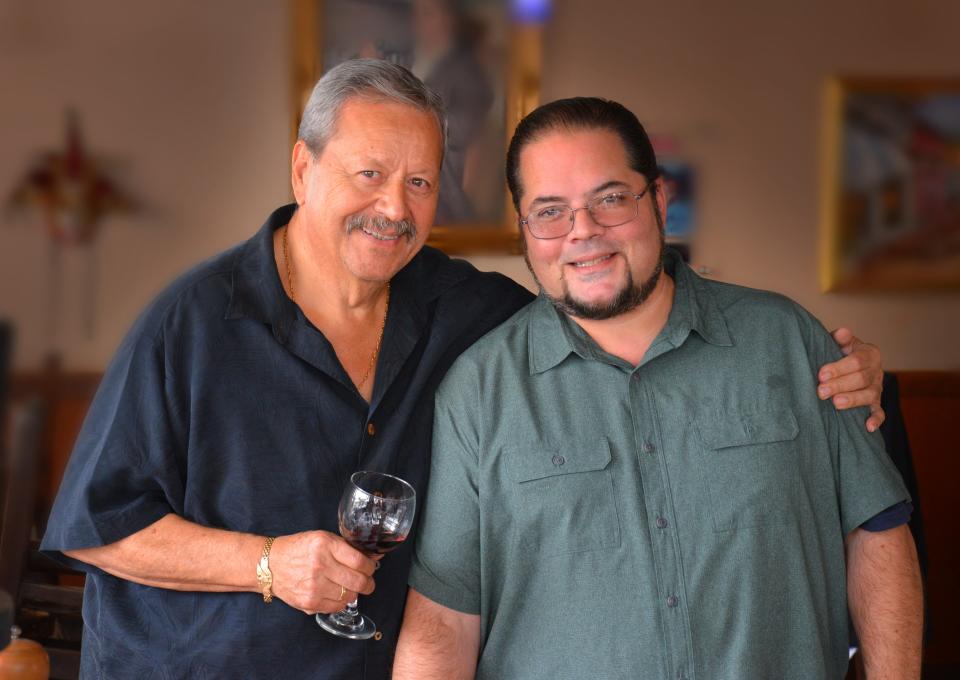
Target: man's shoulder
point(508, 342)
point(486, 298)
point(447, 273)
point(778, 320)
point(203, 290)
point(728, 295)
point(756, 304)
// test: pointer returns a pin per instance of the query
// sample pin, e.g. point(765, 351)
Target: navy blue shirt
point(226, 406)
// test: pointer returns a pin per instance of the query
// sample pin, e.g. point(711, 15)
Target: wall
point(191, 100)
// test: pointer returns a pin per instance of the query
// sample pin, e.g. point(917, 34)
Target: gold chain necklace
point(383, 323)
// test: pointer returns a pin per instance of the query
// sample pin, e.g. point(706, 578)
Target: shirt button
point(648, 447)
point(662, 523)
point(558, 460)
point(673, 601)
point(371, 430)
point(378, 635)
point(636, 377)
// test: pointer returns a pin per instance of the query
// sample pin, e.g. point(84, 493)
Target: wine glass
point(375, 515)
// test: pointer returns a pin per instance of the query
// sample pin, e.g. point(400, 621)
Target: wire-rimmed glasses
point(609, 210)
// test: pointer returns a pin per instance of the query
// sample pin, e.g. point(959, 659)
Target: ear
point(661, 198)
point(300, 166)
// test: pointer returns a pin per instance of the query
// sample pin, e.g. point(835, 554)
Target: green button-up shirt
point(683, 518)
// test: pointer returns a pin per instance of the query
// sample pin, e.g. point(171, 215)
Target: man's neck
point(629, 335)
point(326, 294)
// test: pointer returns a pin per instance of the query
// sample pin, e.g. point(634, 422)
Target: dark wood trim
point(929, 384)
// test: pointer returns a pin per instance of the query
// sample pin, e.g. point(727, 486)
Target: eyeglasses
point(609, 210)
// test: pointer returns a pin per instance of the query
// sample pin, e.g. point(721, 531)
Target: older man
point(201, 497)
point(632, 477)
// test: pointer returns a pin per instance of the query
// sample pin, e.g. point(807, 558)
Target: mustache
point(380, 224)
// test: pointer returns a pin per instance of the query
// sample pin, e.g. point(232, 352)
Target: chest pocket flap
point(540, 463)
point(725, 431)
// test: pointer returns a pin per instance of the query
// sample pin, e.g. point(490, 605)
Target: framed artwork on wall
point(891, 194)
point(484, 66)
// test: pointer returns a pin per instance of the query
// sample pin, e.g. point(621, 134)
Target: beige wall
point(191, 98)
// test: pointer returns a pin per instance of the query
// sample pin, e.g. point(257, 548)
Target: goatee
point(630, 296)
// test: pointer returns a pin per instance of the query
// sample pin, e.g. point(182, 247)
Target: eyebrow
point(611, 184)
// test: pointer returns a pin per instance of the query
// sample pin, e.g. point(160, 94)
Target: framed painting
point(486, 68)
point(891, 196)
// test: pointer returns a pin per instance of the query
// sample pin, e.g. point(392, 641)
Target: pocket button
point(558, 460)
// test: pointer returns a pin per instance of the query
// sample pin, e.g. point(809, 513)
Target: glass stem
point(348, 616)
point(351, 609)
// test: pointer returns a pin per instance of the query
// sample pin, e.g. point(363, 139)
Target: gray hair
point(372, 79)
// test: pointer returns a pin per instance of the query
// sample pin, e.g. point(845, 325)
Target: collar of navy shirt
point(257, 293)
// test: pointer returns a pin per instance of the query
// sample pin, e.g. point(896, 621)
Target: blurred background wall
point(191, 102)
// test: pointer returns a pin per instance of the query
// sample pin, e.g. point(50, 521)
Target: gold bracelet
point(264, 576)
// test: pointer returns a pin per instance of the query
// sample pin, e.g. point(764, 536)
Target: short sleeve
point(123, 473)
point(867, 480)
point(892, 517)
point(446, 562)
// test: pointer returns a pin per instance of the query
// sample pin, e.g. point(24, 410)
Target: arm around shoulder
point(436, 643)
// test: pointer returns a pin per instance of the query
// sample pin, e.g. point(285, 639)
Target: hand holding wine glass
point(310, 567)
point(375, 516)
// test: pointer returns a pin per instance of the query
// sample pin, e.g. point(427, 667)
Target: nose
point(584, 226)
point(392, 200)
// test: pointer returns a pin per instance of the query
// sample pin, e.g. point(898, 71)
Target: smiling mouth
point(379, 235)
point(591, 262)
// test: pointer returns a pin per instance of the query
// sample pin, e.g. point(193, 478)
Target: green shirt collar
point(553, 336)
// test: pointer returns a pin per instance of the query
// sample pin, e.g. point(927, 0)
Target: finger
point(876, 419)
point(854, 399)
point(351, 579)
point(851, 382)
point(326, 606)
point(845, 338)
point(845, 366)
point(349, 556)
point(341, 593)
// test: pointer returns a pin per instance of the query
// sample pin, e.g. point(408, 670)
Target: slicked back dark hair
point(581, 113)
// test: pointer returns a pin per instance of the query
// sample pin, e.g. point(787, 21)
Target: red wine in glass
point(375, 515)
point(372, 542)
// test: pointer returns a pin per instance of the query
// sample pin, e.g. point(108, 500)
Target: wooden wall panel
point(930, 402)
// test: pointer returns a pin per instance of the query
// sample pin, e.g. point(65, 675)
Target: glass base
point(344, 624)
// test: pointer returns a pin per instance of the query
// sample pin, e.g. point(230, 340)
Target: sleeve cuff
point(890, 518)
point(428, 585)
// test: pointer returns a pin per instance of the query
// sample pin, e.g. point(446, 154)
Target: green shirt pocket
point(750, 466)
point(564, 498)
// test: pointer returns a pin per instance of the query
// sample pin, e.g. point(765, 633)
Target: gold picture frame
point(890, 213)
point(519, 94)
